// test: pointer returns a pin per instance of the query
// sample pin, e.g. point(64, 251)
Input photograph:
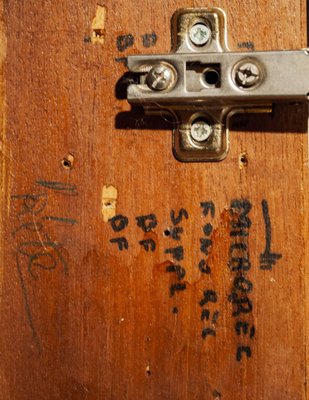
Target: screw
point(247, 75)
point(160, 77)
point(200, 131)
point(199, 34)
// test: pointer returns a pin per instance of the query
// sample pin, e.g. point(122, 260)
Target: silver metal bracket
point(202, 84)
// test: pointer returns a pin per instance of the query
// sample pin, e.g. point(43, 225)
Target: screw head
point(200, 131)
point(247, 75)
point(160, 77)
point(199, 34)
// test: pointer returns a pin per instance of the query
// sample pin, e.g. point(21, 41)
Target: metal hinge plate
point(202, 84)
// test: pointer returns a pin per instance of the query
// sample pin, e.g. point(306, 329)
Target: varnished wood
point(81, 319)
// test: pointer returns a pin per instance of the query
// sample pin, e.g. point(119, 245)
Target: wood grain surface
point(86, 311)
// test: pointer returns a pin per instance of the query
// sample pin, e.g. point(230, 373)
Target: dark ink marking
point(239, 260)
point(241, 326)
point(37, 256)
point(40, 260)
point(59, 187)
point(210, 296)
point(268, 259)
point(124, 41)
point(243, 304)
point(241, 233)
point(205, 315)
point(118, 222)
point(208, 206)
point(205, 244)
point(175, 232)
point(177, 252)
point(243, 349)
point(147, 222)
point(60, 219)
point(207, 229)
point(42, 244)
point(178, 269)
point(121, 242)
point(215, 317)
point(252, 332)
point(240, 209)
point(122, 60)
point(203, 267)
point(31, 226)
point(243, 284)
point(245, 45)
point(238, 246)
point(239, 264)
point(32, 204)
point(27, 306)
point(27, 196)
point(208, 332)
point(148, 244)
point(183, 213)
point(149, 39)
point(177, 287)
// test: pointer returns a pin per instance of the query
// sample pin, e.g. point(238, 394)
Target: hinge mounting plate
point(202, 84)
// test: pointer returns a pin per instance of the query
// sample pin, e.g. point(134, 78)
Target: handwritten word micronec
point(239, 264)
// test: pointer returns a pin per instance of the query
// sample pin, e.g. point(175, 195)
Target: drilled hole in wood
point(67, 162)
point(167, 232)
point(243, 160)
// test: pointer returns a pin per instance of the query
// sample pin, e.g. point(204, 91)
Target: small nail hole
point(167, 232)
point(67, 162)
point(243, 160)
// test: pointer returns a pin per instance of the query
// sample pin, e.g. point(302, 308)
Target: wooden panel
point(83, 319)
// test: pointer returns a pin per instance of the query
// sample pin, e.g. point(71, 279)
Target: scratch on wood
point(98, 25)
point(109, 202)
